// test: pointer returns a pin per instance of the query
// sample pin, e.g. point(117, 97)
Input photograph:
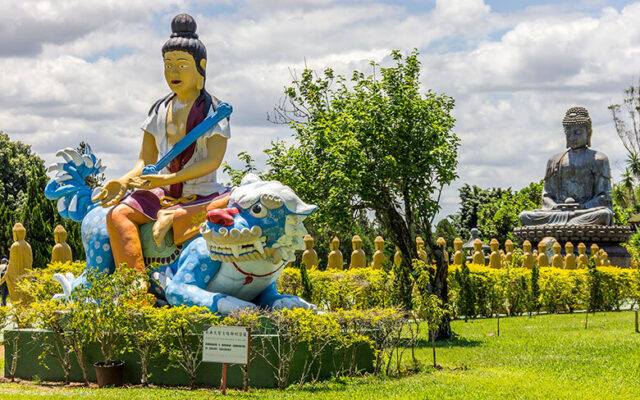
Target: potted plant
point(106, 319)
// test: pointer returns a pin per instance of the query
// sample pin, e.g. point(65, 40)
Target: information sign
point(226, 344)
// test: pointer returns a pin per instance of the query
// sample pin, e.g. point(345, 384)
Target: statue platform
point(607, 237)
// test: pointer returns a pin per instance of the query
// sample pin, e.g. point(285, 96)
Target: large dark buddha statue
point(577, 182)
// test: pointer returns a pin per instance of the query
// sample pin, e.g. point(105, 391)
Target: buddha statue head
point(356, 242)
point(379, 243)
point(19, 233)
point(577, 127)
point(308, 242)
point(59, 234)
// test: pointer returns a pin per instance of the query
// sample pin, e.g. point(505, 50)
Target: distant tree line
point(22, 182)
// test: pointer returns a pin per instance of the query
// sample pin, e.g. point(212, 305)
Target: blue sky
point(89, 70)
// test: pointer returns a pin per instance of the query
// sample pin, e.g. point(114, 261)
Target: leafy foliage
point(22, 182)
point(495, 211)
point(374, 144)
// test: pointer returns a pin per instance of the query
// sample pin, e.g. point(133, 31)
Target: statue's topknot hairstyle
point(578, 116)
point(184, 38)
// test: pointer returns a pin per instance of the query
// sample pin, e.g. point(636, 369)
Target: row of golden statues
point(497, 258)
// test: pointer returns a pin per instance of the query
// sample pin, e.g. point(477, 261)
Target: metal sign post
point(226, 345)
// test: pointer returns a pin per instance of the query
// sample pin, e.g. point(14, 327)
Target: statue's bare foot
point(162, 225)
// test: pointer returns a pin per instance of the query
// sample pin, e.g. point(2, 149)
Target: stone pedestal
point(606, 237)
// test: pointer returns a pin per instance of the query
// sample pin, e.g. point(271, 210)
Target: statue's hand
point(149, 181)
point(112, 192)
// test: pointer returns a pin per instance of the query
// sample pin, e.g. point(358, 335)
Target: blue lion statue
point(234, 261)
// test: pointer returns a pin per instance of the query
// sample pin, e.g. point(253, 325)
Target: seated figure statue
point(577, 183)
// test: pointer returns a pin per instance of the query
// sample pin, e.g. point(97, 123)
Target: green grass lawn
point(547, 356)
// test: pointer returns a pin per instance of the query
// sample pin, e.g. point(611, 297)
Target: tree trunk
point(439, 285)
point(400, 234)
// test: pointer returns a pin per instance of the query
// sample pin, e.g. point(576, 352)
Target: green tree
point(22, 182)
point(375, 144)
point(472, 199)
point(39, 230)
point(534, 289)
point(445, 230)
point(499, 216)
point(17, 164)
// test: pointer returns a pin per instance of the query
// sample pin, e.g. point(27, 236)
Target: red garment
point(193, 119)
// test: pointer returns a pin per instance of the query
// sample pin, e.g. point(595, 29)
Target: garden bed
point(261, 374)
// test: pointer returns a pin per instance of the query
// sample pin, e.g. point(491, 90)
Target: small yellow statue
point(422, 255)
point(443, 245)
point(397, 258)
point(457, 256)
point(543, 259)
point(358, 258)
point(604, 259)
point(557, 261)
point(569, 258)
point(583, 260)
point(61, 251)
point(378, 257)
point(595, 251)
point(20, 259)
point(478, 257)
point(527, 257)
point(336, 261)
point(508, 257)
point(495, 261)
point(309, 257)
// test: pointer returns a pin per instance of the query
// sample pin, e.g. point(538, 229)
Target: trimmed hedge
point(559, 290)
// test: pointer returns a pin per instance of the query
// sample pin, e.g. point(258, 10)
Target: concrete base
point(261, 374)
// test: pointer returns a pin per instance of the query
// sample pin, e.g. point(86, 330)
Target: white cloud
point(89, 70)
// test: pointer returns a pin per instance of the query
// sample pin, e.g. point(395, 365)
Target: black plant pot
point(109, 374)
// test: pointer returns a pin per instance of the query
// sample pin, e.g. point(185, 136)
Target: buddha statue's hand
point(112, 192)
point(149, 181)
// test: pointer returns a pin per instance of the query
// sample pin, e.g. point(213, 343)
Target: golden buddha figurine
point(543, 259)
point(335, 261)
point(527, 257)
point(557, 261)
point(358, 258)
point(378, 257)
point(422, 255)
point(569, 258)
point(495, 261)
point(443, 245)
point(583, 259)
point(458, 254)
point(604, 259)
point(478, 257)
point(595, 252)
point(20, 260)
point(508, 257)
point(397, 257)
point(61, 251)
point(309, 257)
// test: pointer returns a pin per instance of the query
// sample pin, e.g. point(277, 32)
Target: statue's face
point(180, 72)
point(577, 136)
